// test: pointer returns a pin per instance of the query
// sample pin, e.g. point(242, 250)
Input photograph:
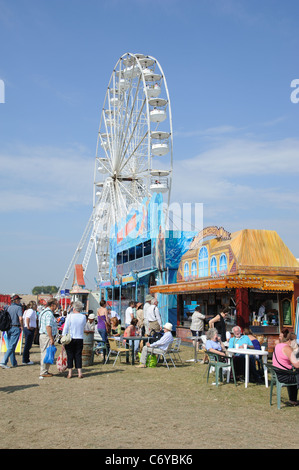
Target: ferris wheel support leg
point(77, 253)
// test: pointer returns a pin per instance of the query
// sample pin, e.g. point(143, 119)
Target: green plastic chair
point(279, 385)
point(215, 361)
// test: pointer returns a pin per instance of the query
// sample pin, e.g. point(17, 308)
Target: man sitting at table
point(158, 347)
point(239, 359)
point(239, 339)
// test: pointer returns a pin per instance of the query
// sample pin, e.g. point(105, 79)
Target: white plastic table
point(250, 352)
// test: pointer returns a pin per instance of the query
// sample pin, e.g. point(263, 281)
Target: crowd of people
point(45, 322)
point(140, 320)
point(48, 322)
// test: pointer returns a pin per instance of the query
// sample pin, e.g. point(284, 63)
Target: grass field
point(123, 407)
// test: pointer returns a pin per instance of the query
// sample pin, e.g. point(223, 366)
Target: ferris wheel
point(134, 154)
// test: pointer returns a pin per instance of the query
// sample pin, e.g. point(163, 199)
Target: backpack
point(5, 320)
point(154, 336)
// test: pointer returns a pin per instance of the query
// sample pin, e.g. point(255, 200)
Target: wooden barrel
point(87, 352)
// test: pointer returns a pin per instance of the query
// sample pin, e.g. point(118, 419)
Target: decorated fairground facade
point(245, 271)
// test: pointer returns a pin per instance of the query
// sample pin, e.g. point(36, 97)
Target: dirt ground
point(113, 406)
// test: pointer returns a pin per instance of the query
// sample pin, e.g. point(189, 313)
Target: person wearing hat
point(90, 324)
point(158, 347)
point(146, 306)
point(13, 334)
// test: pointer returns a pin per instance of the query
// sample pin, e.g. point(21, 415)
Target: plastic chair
point(202, 349)
point(215, 361)
point(116, 348)
point(175, 349)
point(279, 385)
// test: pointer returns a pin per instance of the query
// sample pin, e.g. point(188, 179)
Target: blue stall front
point(143, 253)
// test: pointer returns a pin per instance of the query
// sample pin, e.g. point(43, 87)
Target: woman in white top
point(74, 324)
point(29, 322)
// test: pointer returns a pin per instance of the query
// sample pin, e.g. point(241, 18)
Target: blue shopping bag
point(50, 355)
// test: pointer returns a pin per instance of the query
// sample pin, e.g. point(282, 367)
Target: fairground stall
point(250, 271)
point(144, 254)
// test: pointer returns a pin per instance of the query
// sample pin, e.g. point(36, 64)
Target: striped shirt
point(46, 318)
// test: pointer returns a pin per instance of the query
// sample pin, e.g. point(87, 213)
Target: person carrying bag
point(47, 333)
point(74, 326)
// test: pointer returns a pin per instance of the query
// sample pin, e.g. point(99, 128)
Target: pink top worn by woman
point(129, 331)
point(280, 360)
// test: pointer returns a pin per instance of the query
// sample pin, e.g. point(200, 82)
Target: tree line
point(44, 290)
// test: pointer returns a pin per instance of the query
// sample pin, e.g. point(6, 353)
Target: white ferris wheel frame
point(98, 237)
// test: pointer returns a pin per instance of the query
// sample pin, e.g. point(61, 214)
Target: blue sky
point(229, 65)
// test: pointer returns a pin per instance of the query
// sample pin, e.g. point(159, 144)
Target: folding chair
point(215, 360)
point(164, 354)
point(175, 349)
point(116, 348)
point(202, 349)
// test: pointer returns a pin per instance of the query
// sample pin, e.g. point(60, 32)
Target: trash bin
point(87, 352)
